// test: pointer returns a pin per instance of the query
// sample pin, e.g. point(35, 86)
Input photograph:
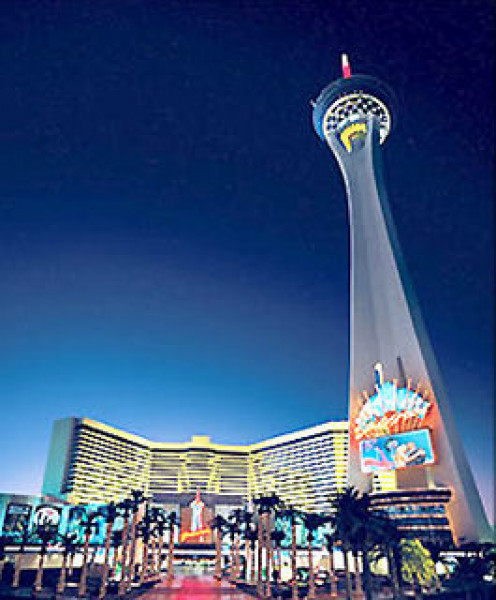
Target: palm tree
point(69, 543)
point(330, 541)
point(312, 522)
point(46, 533)
point(347, 521)
point(260, 535)
point(138, 498)
point(125, 508)
point(89, 525)
point(251, 536)
point(153, 550)
point(278, 537)
point(358, 528)
point(359, 541)
point(145, 532)
point(268, 554)
point(160, 527)
point(115, 553)
point(238, 517)
point(247, 518)
point(389, 538)
point(266, 504)
point(375, 536)
point(218, 524)
point(374, 530)
point(232, 529)
point(154, 560)
point(171, 521)
point(111, 513)
point(293, 516)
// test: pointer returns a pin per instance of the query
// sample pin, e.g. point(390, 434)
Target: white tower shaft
point(386, 327)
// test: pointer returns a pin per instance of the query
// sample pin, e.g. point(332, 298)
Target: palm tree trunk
point(218, 555)
point(132, 553)
point(253, 561)
point(294, 573)
point(311, 576)
point(279, 560)
point(144, 561)
point(105, 568)
point(347, 573)
point(366, 575)
point(17, 569)
point(232, 565)
point(71, 564)
point(394, 574)
point(247, 560)
point(121, 588)
point(237, 561)
point(268, 542)
point(358, 577)
point(273, 558)
point(2, 564)
point(84, 568)
point(170, 557)
point(159, 557)
point(332, 574)
point(38, 582)
point(153, 568)
point(260, 555)
point(61, 582)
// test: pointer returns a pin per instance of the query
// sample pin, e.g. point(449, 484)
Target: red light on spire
point(345, 65)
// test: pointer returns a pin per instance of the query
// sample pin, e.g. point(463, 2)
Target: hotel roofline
point(203, 441)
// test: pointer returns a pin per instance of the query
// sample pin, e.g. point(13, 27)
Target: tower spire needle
point(345, 66)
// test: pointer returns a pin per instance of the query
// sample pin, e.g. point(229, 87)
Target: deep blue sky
point(174, 237)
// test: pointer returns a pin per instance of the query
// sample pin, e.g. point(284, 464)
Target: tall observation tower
point(401, 427)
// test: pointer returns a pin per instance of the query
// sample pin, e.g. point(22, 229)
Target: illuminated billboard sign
point(390, 410)
point(195, 521)
point(78, 517)
point(16, 518)
point(398, 451)
point(45, 514)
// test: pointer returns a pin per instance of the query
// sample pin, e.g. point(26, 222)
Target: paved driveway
point(195, 587)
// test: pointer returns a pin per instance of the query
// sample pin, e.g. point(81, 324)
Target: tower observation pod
point(404, 445)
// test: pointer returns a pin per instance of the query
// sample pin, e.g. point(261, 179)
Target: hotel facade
point(90, 463)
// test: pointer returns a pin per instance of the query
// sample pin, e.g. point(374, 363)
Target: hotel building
point(90, 462)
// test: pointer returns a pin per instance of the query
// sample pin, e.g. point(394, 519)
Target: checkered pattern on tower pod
point(358, 105)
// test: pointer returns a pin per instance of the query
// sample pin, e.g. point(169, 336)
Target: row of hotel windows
point(90, 455)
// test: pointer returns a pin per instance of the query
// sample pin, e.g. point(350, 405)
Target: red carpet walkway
point(195, 587)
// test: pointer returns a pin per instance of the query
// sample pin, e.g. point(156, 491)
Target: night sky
point(174, 237)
